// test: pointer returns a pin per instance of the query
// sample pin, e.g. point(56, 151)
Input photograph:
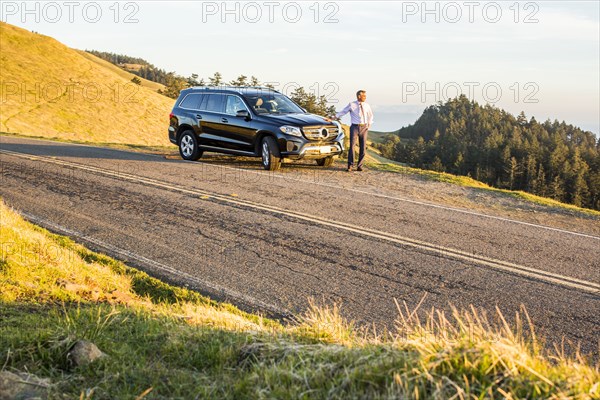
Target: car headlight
point(291, 130)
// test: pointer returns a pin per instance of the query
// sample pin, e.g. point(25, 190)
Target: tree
point(216, 79)
point(312, 103)
point(241, 80)
point(459, 163)
point(551, 158)
point(388, 147)
point(174, 86)
point(254, 81)
point(540, 182)
point(522, 119)
point(437, 165)
point(556, 190)
point(577, 183)
point(513, 166)
point(193, 80)
point(530, 173)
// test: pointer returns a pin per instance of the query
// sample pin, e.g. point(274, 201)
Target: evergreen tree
point(216, 79)
point(241, 80)
point(551, 158)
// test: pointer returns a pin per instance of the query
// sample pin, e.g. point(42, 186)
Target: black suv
point(251, 121)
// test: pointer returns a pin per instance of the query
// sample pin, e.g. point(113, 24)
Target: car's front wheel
point(271, 159)
point(325, 162)
point(188, 146)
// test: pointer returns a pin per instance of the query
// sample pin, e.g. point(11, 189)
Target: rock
point(22, 386)
point(84, 352)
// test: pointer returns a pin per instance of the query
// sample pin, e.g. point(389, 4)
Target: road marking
point(332, 186)
point(403, 199)
point(128, 255)
point(505, 266)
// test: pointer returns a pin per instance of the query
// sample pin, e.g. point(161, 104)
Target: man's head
point(361, 95)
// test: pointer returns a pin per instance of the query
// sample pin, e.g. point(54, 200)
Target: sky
point(540, 57)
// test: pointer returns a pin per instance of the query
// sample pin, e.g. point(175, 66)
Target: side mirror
point(243, 114)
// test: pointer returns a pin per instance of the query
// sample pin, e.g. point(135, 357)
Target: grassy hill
point(50, 90)
point(162, 341)
point(378, 136)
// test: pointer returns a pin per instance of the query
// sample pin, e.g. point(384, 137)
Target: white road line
point(513, 268)
point(417, 202)
point(128, 255)
point(366, 192)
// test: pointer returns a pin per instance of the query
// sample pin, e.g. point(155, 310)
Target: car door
point(211, 112)
point(190, 111)
point(237, 132)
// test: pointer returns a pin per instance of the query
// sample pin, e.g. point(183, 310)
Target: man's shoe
point(349, 169)
point(359, 169)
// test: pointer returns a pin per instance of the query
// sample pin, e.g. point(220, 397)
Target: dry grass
point(52, 91)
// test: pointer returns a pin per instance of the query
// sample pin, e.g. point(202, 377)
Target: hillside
point(167, 342)
point(551, 159)
point(53, 91)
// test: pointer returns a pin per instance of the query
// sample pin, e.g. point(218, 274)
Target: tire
point(271, 158)
point(188, 146)
point(325, 162)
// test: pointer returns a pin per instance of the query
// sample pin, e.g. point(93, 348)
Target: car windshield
point(272, 103)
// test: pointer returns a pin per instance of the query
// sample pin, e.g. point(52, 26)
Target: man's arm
point(337, 116)
point(345, 111)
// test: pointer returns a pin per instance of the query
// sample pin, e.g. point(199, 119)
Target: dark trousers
point(360, 131)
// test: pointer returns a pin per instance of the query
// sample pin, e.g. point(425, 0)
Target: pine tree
point(530, 174)
point(459, 163)
point(540, 182)
point(241, 80)
point(216, 79)
point(578, 185)
point(254, 81)
point(556, 190)
point(512, 172)
point(437, 165)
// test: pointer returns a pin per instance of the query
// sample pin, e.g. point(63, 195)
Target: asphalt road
point(269, 241)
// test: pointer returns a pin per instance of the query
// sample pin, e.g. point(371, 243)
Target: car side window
point(215, 103)
point(234, 104)
point(191, 101)
point(203, 102)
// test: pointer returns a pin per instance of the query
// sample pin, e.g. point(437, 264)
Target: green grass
point(168, 342)
point(377, 136)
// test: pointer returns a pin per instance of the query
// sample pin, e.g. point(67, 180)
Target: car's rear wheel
point(188, 146)
point(271, 158)
point(325, 162)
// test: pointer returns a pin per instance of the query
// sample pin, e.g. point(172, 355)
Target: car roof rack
point(235, 88)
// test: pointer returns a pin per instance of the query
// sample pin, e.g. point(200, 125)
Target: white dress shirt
point(360, 112)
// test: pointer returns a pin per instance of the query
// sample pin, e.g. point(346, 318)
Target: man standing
point(361, 119)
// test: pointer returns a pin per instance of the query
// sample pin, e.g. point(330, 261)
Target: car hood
point(296, 119)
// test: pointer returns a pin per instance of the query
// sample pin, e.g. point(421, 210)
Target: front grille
point(320, 132)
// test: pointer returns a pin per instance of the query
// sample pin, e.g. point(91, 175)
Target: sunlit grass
point(52, 91)
point(169, 342)
point(472, 183)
